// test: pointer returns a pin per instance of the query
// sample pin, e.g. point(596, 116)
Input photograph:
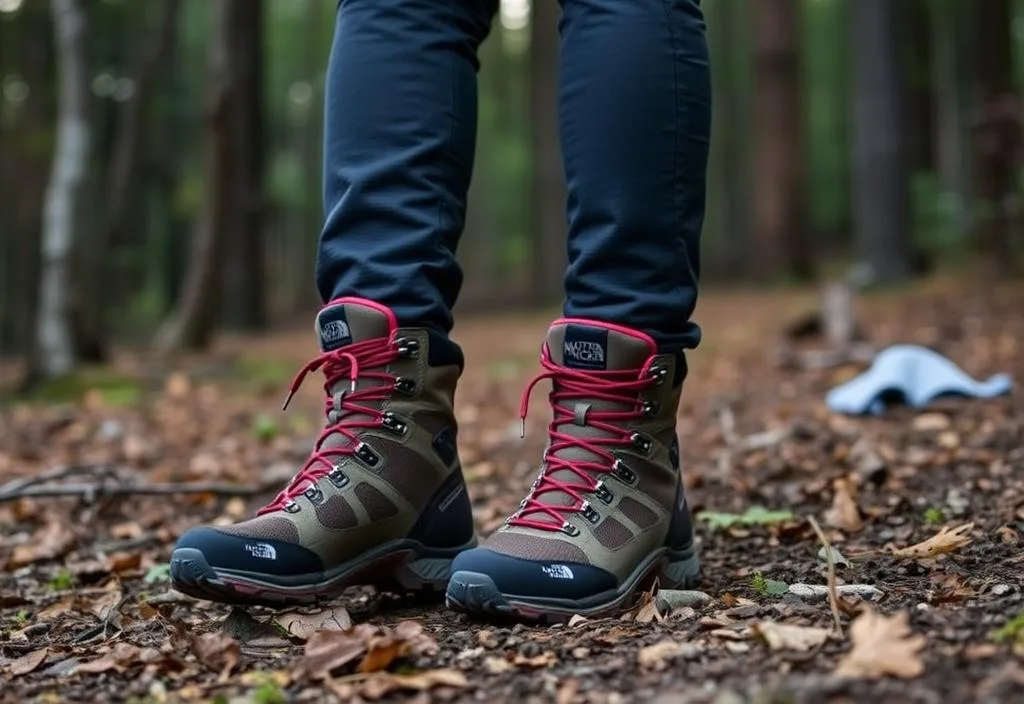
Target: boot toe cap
point(533, 579)
point(241, 553)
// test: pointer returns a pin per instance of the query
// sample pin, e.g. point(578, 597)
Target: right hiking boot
point(381, 499)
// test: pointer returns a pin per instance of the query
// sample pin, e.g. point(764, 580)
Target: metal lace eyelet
point(624, 472)
point(405, 385)
point(649, 409)
point(292, 507)
point(658, 372)
point(641, 442)
point(392, 423)
point(338, 478)
point(589, 512)
point(314, 495)
point(570, 530)
point(408, 347)
point(366, 454)
point(603, 493)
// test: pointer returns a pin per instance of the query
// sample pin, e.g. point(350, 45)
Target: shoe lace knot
point(350, 409)
point(574, 393)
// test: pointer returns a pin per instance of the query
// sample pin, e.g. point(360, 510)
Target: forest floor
point(86, 613)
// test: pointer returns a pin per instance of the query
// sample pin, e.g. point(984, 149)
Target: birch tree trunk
point(63, 195)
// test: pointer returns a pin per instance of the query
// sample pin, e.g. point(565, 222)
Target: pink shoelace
point(356, 361)
point(616, 386)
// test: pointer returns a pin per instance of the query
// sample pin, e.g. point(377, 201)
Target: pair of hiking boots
point(381, 499)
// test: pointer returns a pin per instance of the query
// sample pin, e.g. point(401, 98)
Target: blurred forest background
point(160, 160)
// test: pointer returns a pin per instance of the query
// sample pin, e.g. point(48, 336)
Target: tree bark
point(246, 303)
point(122, 186)
point(783, 237)
point(547, 202)
point(997, 134)
point(64, 193)
point(880, 182)
point(950, 76)
point(191, 323)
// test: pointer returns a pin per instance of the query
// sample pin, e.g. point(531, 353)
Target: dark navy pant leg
point(635, 119)
point(399, 140)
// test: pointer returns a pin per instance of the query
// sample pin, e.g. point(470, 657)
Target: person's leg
point(399, 140)
point(381, 498)
point(608, 512)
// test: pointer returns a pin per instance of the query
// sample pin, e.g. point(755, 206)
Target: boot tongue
point(589, 347)
point(349, 320)
point(341, 323)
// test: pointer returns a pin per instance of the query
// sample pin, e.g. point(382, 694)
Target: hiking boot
point(607, 514)
point(381, 499)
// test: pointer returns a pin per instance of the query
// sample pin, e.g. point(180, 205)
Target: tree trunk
point(914, 23)
point(547, 202)
point(64, 193)
point(950, 77)
point(121, 190)
point(783, 238)
point(997, 133)
point(730, 183)
point(191, 324)
point(246, 302)
point(880, 188)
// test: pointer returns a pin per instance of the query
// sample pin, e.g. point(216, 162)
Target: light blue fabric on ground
point(912, 375)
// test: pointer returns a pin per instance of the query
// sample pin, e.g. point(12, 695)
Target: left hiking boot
point(381, 499)
point(607, 515)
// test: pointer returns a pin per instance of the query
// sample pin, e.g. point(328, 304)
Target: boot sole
point(403, 565)
point(475, 592)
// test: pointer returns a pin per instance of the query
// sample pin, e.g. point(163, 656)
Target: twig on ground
point(833, 597)
point(13, 487)
point(92, 491)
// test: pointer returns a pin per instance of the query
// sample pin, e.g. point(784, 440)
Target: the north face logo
point(558, 571)
point(583, 351)
point(335, 331)
point(585, 347)
point(262, 550)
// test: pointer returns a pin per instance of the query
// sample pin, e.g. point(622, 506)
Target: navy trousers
point(634, 118)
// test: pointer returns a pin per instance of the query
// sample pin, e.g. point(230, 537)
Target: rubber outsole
point(476, 593)
point(402, 566)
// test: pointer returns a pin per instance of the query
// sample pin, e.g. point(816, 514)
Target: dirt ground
point(86, 613)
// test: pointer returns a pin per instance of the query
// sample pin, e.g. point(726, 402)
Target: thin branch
point(99, 489)
point(833, 597)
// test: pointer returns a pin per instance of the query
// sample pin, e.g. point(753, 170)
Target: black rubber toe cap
point(514, 576)
point(237, 552)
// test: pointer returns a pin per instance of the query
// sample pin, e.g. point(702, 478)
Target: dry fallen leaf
point(303, 625)
point(380, 653)
point(27, 663)
point(496, 665)
point(545, 659)
point(218, 651)
point(945, 541)
point(328, 651)
point(655, 657)
point(844, 513)
point(647, 609)
point(882, 646)
point(119, 658)
point(929, 422)
point(54, 540)
point(384, 683)
point(786, 636)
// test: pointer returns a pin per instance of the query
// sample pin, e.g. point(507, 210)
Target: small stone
point(1001, 589)
point(669, 599)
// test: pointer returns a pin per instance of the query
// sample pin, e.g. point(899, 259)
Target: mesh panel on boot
point(336, 513)
point(612, 534)
point(403, 471)
point(635, 511)
point(377, 506)
point(531, 547)
point(265, 528)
